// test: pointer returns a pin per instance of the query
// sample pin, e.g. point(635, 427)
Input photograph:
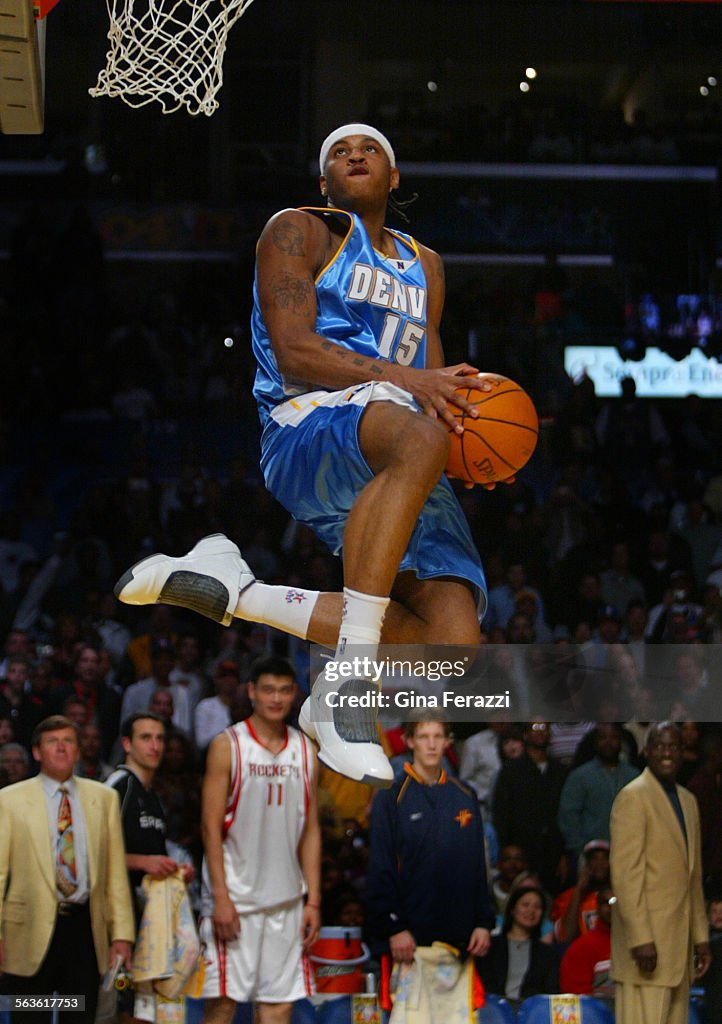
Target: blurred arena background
point(565, 154)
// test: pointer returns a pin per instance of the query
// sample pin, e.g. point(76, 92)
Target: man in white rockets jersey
point(261, 873)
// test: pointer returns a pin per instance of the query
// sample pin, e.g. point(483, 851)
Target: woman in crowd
point(519, 964)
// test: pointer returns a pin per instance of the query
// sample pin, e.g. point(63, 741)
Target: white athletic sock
point(285, 608)
point(361, 621)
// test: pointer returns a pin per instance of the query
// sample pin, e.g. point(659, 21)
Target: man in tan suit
point(659, 927)
point(66, 913)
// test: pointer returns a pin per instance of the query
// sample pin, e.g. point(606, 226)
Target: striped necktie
point(65, 871)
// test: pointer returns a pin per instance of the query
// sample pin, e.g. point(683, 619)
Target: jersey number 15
point(410, 337)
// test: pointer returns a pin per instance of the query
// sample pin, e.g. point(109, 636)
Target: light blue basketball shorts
point(313, 465)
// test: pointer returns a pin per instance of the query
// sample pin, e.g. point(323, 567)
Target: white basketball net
point(169, 51)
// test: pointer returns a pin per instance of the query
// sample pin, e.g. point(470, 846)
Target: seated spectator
point(101, 700)
point(241, 707)
point(502, 599)
point(691, 687)
point(334, 886)
point(76, 710)
point(160, 627)
point(526, 601)
point(15, 762)
point(213, 714)
point(344, 797)
point(606, 708)
point(511, 742)
point(519, 964)
point(526, 806)
point(585, 965)
point(350, 912)
point(90, 764)
point(629, 429)
point(711, 618)
point(17, 645)
point(113, 634)
point(712, 980)
point(42, 698)
point(565, 738)
point(644, 705)
point(15, 698)
point(14, 551)
point(178, 785)
point(161, 704)
point(589, 791)
point(690, 751)
point(510, 864)
point(574, 911)
point(7, 732)
point(584, 605)
point(676, 618)
point(137, 697)
point(187, 672)
point(633, 635)
point(66, 639)
point(480, 762)
point(617, 585)
point(353, 853)
point(706, 786)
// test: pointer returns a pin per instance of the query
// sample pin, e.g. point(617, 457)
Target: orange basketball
point(501, 440)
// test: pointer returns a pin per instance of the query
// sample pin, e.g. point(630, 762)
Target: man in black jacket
point(526, 806)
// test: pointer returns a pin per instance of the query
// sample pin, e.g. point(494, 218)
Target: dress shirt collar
point(52, 786)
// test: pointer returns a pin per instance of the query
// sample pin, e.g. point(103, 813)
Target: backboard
point(22, 65)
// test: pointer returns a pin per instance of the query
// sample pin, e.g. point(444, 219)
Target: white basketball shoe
point(207, 580)
point(347, 737)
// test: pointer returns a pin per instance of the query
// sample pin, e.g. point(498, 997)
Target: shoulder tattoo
point(288, 238)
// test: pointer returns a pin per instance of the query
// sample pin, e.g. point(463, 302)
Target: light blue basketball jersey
point(368, 302)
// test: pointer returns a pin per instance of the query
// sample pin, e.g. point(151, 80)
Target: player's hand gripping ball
point(496, 444)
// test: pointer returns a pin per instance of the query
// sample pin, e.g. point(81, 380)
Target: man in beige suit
point(66, 913)
point(659, 927)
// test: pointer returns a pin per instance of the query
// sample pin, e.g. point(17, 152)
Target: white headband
point(355, 129)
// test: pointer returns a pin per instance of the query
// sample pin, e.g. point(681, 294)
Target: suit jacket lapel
point(687, 811)
point(663, 806)
point(37, 818)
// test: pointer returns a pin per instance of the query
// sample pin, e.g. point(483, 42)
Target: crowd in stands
point(562, 129)
point(610, 541)
point(620, 555)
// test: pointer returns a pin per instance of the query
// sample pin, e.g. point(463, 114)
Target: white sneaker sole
point(186, 587)
point(306, 725)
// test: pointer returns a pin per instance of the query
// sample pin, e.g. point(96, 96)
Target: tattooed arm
point(293, 248)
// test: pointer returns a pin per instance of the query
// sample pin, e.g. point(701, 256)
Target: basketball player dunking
point(346, 335)
point(262, 852)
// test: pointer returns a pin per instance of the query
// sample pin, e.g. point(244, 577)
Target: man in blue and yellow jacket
point(427, 874)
